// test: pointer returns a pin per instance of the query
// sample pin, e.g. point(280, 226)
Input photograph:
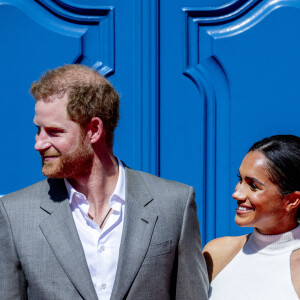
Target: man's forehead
point(51, 103)
point(58, 97)
point(53, 111)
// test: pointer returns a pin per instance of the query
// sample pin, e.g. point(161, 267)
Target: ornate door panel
point(242, 68)
point(200, 81)
point(35, 36)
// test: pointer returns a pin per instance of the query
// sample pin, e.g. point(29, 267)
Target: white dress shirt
point(101, 247)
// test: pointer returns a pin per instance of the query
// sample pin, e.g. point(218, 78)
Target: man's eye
point(38, 129)
point(54, 132)
point(239, 177)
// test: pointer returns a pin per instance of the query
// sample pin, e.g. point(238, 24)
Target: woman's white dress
point(260, 271)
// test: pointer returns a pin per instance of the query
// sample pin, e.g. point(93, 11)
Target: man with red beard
point(95, 229)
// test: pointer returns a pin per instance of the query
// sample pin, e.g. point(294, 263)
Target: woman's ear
point(293, 201)
point(94, 130)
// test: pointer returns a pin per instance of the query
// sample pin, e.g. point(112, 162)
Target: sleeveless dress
point(260, 271)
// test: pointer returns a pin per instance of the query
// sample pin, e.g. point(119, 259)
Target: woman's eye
point(253, 186)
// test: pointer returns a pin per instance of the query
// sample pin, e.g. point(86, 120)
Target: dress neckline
point(274, 244)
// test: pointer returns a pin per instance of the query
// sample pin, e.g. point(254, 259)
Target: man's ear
point(94, 130)
point(293, 201)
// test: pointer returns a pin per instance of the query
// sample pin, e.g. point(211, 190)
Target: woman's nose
point(238, 193)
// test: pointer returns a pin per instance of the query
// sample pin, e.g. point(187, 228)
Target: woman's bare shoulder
point(219, 252)
point(226, 243)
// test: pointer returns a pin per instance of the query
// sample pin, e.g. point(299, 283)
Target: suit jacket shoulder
point(35, 193)
point(41, 256)
point(161, 247)
point(157, 187)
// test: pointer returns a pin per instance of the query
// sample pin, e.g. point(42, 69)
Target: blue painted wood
point(137, 80)
point(34, 38)
point(55, 32)
point(146, 86)
point(100, 55)
point(210, 78)
point(242, 59)
point(199, 82)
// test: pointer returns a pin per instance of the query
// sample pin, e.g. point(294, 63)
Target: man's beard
point(72, 165)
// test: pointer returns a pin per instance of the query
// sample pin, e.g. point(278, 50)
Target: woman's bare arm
point(219, 252)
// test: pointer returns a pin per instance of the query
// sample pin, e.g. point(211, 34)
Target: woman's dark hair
point(283, 155)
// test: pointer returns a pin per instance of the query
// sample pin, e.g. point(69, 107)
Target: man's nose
point(41, 143)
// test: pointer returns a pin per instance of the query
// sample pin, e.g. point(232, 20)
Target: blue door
point(200, 81)
point(229, 77)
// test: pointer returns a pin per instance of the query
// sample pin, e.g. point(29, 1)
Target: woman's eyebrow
point(254, 179)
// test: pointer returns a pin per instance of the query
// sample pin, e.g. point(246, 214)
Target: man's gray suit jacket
point(41, 256)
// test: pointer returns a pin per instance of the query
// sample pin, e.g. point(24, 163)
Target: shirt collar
point(117, 198)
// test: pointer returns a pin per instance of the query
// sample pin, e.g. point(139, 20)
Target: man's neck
point(99, 185)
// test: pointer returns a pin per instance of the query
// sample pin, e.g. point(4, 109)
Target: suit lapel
point(60, 231)
point(137, 232)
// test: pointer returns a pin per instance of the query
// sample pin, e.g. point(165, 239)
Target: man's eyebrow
point(254, 179)
point(52, 126)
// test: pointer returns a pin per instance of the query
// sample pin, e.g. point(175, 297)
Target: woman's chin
point(241, 222)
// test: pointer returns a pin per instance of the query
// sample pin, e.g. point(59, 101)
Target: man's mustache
point(50, 153)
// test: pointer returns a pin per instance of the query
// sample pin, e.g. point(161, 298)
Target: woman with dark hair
point(266, 263)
